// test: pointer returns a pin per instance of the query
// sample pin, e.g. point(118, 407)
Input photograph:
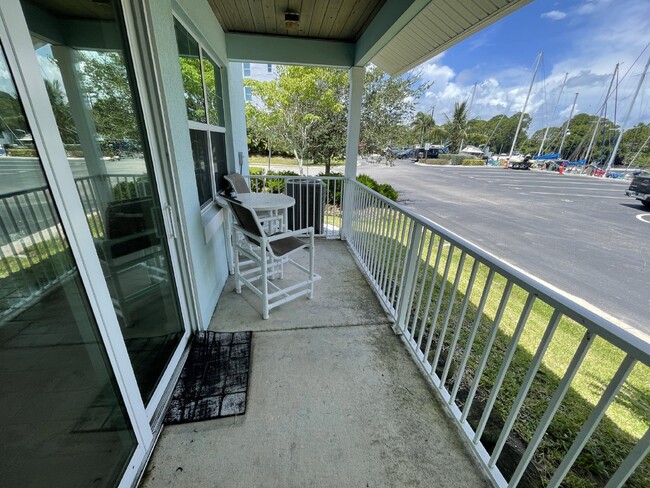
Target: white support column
point(84, 124)
point(355, 75)
point(237, 110)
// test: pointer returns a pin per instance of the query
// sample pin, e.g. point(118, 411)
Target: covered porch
point(334, 399)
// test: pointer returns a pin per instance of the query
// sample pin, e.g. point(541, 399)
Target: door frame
point(21, 59)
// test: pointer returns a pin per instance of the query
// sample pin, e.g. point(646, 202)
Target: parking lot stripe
point(574, 195)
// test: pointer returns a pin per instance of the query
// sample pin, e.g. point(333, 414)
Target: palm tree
point(423, 123)
point(458, 125)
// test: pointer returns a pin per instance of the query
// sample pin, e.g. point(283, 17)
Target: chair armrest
point(255, 237)
point(307, 231)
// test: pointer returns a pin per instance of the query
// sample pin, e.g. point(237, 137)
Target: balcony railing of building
point(515, 362)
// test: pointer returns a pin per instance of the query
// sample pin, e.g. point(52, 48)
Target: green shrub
point(435, 162)
point(333, 189)
point(473, 162)
point(388, 191)
point(383, 189)
point(257, 184)
point(276, 185)
point(457, 159)
point(124, 190)
point(23, 152)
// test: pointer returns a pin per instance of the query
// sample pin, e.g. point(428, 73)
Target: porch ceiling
point(319, 19)
point(395, 35)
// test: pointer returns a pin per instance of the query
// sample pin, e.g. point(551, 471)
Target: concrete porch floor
point(334, 400)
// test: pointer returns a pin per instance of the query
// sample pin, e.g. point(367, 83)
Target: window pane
point(213, 89)
point(107, 150)
point(188, 50)
point(248, 93)
point(218, 140)
point(201, 165)
point(63, 420)
point(247, 69)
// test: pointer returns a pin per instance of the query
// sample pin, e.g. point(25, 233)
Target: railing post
point(356, 77)
point(409, 278)
point(347, 208)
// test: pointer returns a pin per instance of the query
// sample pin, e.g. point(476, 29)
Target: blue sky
point(585, 38)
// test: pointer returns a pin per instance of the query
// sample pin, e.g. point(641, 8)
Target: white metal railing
point(318, 200)
point(438, 287)
point(33, 249)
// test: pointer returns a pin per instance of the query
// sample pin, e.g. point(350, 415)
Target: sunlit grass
point(626, 419)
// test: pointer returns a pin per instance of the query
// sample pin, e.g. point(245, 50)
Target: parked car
point(426, 154)
point(640, 189)
point(405, 154)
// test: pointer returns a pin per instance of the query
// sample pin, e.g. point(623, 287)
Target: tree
point(61, 110)
point(105, 82)
point(388, 104)
point(423, 123)
point(296, 102)
point(457, 126)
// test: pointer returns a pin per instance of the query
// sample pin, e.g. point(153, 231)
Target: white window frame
point(246, 67)
point(206, 127)
point(248, 94)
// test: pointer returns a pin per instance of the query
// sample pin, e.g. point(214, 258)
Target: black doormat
point(214, 380)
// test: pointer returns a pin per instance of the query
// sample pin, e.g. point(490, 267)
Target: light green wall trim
point(391, 19)
point(289, 50)
point(204, 26)
point(76, 33)
point(209, 267)
point(238, 115)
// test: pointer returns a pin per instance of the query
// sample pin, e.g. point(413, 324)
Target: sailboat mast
point(548, 127)
point(601, 115)
point(566, 129)
point(469, 109)
point(521, 117)
point(627, 117)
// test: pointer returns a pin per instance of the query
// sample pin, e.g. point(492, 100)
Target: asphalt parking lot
point(580, 234)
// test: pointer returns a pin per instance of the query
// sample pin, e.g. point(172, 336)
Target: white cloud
point(593, 47)
point(554, 15)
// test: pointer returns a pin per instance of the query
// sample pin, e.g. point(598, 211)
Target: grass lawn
point(626, 420)
point(275, 161)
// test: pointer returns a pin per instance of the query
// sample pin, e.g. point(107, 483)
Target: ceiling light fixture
point(291, 20)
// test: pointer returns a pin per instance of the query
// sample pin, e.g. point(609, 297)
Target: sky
point(584, 38)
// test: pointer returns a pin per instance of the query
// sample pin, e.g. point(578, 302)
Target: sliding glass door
point(63, 419)
point(87, 70)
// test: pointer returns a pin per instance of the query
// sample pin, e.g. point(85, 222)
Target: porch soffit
point(437, 27)
point(395, 35)
point(340, 20)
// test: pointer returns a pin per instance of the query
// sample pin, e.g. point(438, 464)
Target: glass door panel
point(63, 420)
point(92, 93)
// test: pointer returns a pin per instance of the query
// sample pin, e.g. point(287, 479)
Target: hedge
point(473, 162)
point(23, 152)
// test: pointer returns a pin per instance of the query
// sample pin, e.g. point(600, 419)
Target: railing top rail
point(608, 330)
point(286, 177)
point(23, 192)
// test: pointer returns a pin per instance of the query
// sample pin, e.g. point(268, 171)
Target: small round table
point(268, 202)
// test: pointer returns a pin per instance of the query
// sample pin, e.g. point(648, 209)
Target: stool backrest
point(237, 182)
point(246, 218)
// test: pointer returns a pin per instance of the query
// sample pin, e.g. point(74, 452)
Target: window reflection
point(63, 421)
point(91, 92)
